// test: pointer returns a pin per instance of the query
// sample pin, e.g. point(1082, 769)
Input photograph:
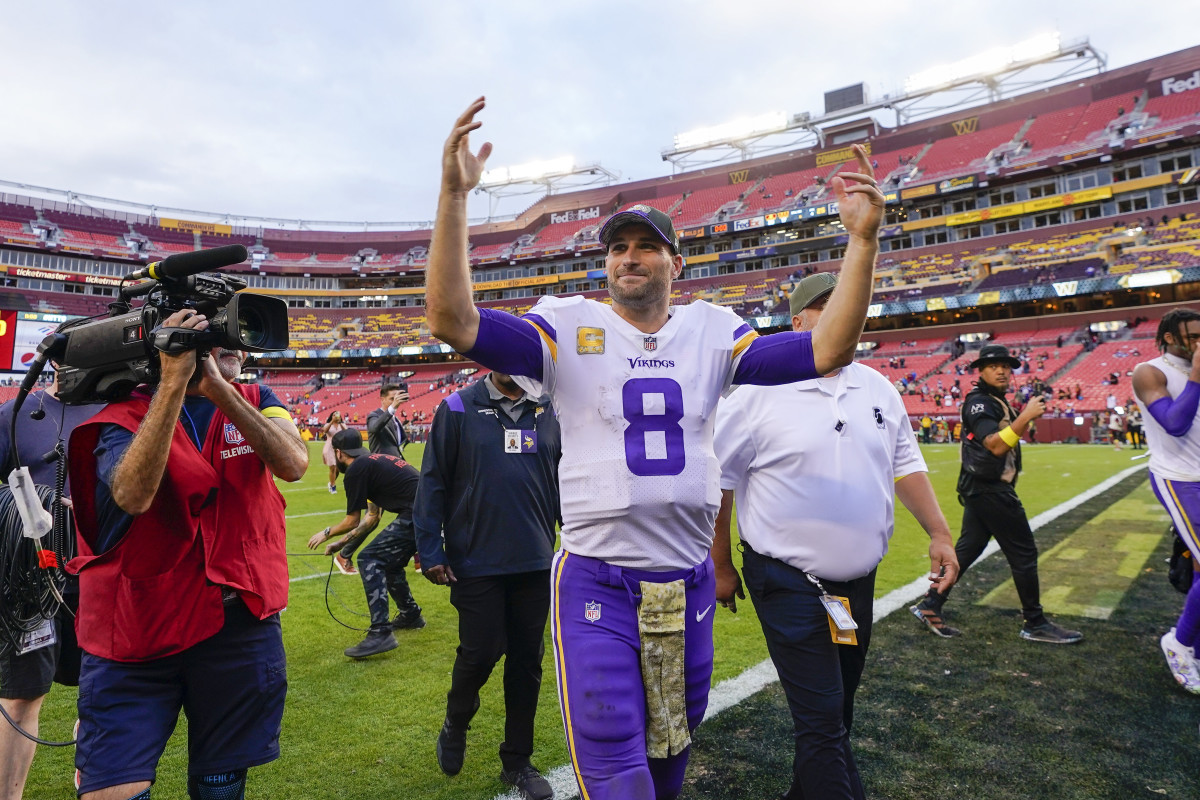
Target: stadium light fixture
point(533, 171)
point(989, 61)
point(733, 130)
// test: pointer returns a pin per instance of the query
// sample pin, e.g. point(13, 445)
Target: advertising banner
point(839, 155)
point(194, 227)
point(957, 184)
point(918, 191)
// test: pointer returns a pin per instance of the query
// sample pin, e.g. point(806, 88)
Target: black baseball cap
point(643, 215)
point(350, 442)
point(995, 352)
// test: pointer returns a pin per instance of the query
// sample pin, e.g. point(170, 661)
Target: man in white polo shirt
point(815, 513)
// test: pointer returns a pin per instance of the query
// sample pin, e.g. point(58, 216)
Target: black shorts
point(29, 677)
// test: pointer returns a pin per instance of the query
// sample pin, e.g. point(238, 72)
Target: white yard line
point(731, 691)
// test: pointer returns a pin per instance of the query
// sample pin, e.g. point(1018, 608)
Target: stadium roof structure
point(985, 78)
point(545, 178)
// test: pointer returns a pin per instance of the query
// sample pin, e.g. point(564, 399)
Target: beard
point(651, 292)
point(341, 467)
point(225, 362)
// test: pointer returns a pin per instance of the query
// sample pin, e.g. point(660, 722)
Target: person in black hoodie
point(485, 515)
point(987, 480)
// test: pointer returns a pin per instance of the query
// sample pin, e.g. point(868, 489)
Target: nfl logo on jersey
point(232, 434)
point(650, 343)
point(591, 612)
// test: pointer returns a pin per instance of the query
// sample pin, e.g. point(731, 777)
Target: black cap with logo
point(643, 215)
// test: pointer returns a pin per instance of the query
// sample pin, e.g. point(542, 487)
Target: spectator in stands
point(377, 482)
point(1167, 389)
point(991, 461)
point(497, 566)
point(815, 513)
point(333, 426)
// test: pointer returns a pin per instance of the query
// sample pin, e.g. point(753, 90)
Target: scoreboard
point(20, 334)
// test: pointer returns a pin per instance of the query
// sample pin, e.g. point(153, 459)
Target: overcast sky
point(326, 111)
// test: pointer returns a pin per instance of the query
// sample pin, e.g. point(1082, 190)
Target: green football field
point(366, 729)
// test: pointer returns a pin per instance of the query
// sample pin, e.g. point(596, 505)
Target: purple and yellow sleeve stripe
point(742, 337)
point(512, 345)
point(546, 331)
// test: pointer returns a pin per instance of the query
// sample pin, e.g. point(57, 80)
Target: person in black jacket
point(987, 479)
point(385, 433)
point(485, 515)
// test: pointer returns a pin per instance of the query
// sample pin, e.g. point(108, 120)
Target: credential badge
point(591, 612)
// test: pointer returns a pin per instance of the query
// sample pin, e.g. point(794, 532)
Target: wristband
point(1009, 437)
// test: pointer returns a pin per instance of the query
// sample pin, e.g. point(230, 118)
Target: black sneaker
point(1046, 631)
point(408, 621)
point(528, 782)
point(451, 746)
point(376, 642)
point(933, 620)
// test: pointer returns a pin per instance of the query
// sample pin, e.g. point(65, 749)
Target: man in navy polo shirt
point(182, 574)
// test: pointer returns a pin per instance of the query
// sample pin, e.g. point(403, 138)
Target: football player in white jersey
point(1167, 389)
point(635, 386)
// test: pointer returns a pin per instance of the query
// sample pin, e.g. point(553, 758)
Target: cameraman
point(182, 574)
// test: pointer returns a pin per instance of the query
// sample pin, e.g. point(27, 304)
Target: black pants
point(382, 566)
point(1002, 516)
point(818, 676)
point(501, 615)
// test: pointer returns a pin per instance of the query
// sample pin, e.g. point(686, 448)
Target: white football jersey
point(1176, 458)
point(639, 479)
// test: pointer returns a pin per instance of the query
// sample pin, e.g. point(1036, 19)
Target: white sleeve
point(906, 458)
point(733, 439)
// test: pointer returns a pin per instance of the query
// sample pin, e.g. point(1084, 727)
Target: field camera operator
point(182, 573)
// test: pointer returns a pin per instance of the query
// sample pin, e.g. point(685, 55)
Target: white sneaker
point(1182, 661)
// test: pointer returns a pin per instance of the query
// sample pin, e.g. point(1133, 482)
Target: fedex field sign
point(1181, 85)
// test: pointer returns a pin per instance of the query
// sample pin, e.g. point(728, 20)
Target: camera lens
point(252, 330)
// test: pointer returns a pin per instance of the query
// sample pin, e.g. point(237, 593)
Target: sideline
point(731, 691)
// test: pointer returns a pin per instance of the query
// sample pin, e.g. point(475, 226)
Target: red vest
point(217, 519)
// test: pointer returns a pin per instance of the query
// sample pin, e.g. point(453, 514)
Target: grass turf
point(366, 729)
point(989, 716)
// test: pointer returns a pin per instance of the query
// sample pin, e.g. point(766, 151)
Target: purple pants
point(1181, 499)
point(594, 625)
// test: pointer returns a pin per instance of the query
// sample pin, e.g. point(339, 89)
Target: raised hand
point(461, 169)
point(860, 202)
